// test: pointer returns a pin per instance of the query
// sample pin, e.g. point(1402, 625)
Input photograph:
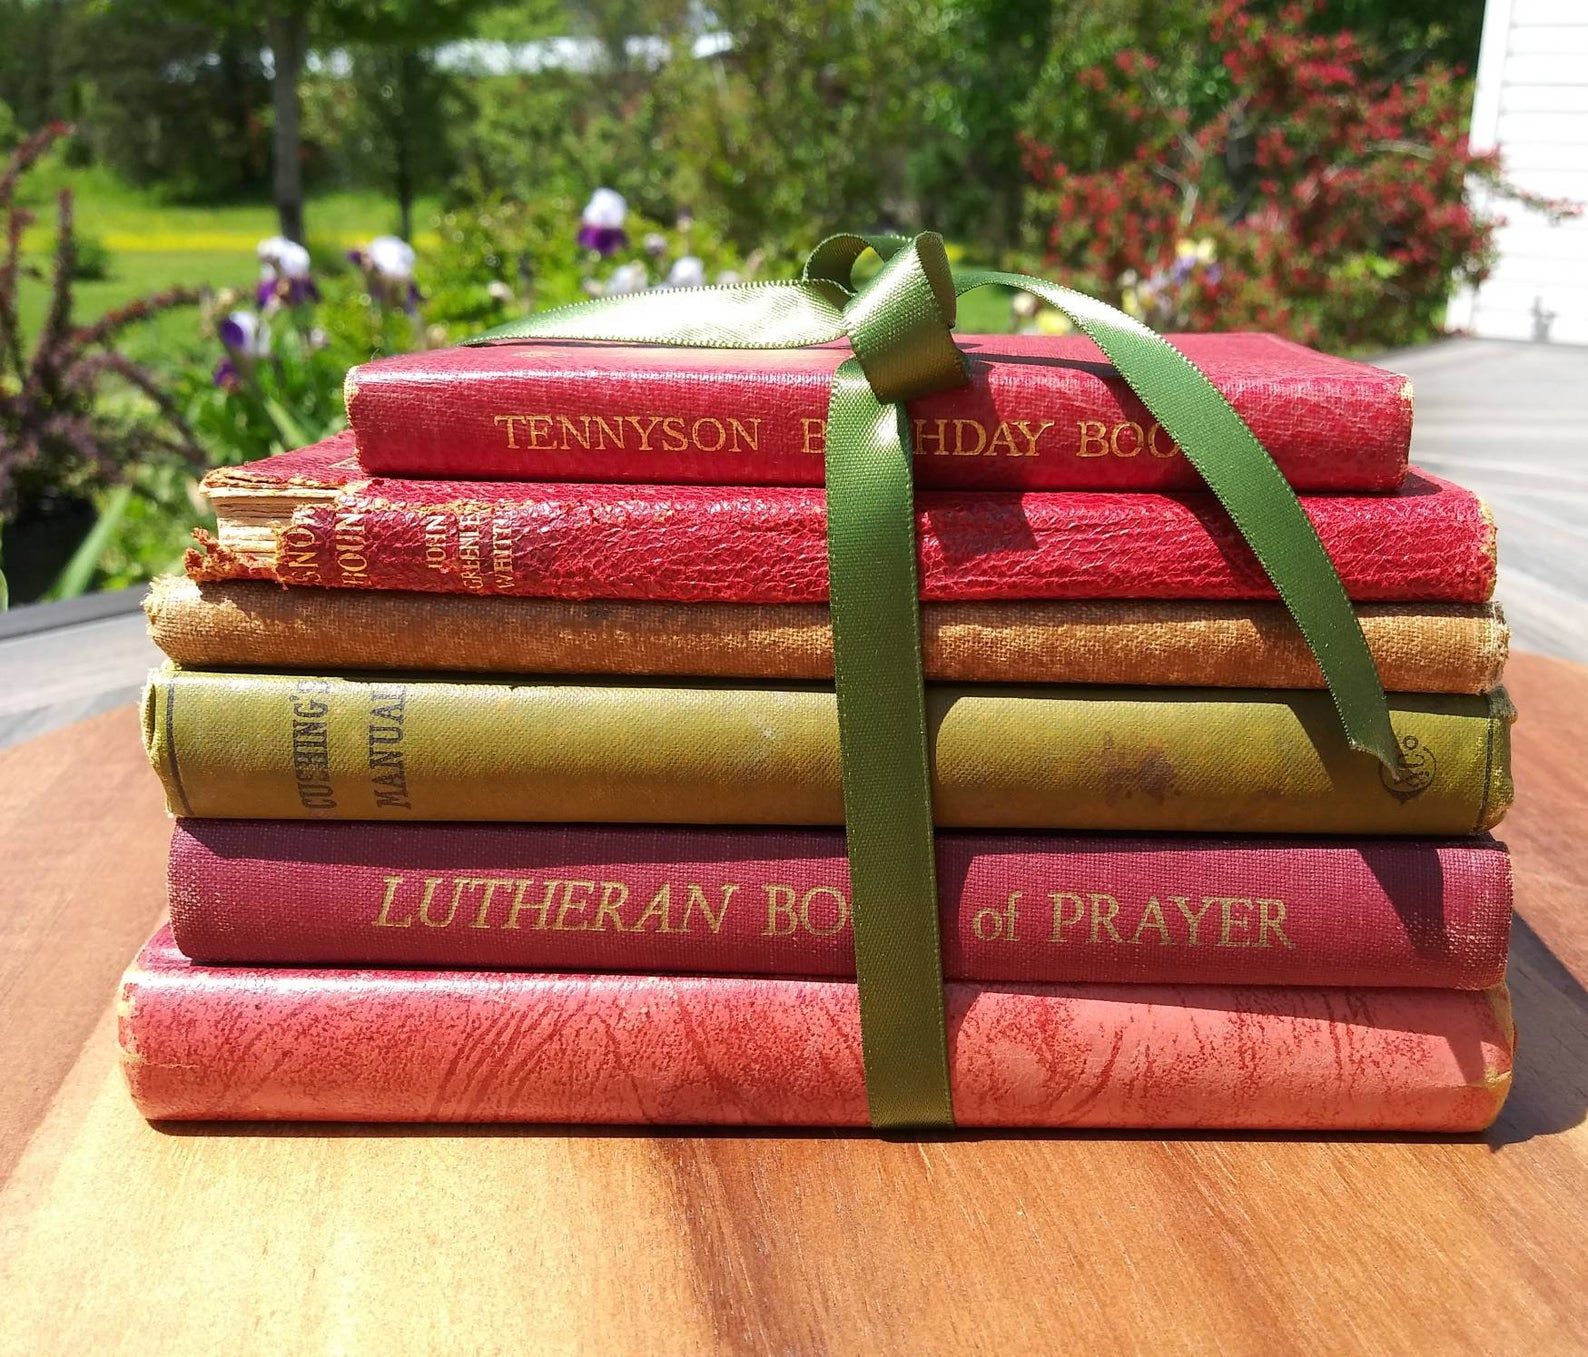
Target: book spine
point(1017, 425)
point(776, 902)
point(1426, 648)
point(293, 746)
point(699, 544)
point(225, 1043)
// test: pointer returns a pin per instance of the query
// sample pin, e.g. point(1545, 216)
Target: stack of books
point(502, 737)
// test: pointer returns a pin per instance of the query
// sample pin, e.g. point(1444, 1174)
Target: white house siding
point(1532, 102)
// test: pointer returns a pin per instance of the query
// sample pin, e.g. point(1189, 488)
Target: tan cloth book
point(1419, 647)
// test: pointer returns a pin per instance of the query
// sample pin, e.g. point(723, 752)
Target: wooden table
point(121, 1238)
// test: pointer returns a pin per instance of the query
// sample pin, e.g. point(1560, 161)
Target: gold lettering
point(697, 899)
point(506, 422)
point(1031, 435)
point(1153, 430)
point(1193, 921)
point(673, 436)
point(990, 926)
point(1061, 920)
point(1003, 438)
point(751, 434)
point(540, 432)
point(572, 906)
point(1113, 439)
point(644, 430)
point(429, 898)
point(1104, 910)
point(1094, 438)
point(436, 553)
point(541, 909)
point(814, 434)
point(662, 907)
point(960, 450)
point(705, 423)
point(933, 444)
point(840, 910)
point(1152, 917)
point(569, 432)
point(1266, 920)
point(614, 895)
point(1228, 922)
point(780, 917)
point(385, 920)
point(299, 550)
point(608, 429)
point(490, 883)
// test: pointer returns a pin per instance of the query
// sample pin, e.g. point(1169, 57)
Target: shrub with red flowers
point(1308, 196)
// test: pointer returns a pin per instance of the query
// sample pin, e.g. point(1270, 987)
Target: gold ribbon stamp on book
point(899, 323)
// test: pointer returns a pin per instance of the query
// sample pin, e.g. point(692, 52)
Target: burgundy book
point(1039, 413)
point(1018, 908)
point(255, 1043)
point(313, 517)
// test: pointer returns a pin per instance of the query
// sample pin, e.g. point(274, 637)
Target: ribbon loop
point(901, 324)
point(834, 260)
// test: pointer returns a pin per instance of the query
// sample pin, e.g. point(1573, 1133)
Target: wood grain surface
point(118, 1237)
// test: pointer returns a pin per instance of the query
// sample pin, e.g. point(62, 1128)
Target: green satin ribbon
point(899, 324)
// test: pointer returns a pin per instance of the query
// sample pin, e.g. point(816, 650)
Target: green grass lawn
point(154, 244)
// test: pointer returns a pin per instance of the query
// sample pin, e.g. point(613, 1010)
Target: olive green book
point(394, 747)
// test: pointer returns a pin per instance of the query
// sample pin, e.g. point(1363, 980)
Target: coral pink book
point(1015, 908)
point(237, 1043)
point(315, 517)
point(1039, 413)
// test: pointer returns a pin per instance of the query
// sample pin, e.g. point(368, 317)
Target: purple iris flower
point(388, 265)
point(601, 223)
point(246, 341)
point(284, 275)
point(604, 240)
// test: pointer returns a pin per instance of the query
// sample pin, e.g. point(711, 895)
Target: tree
point(967, 163)
point(399, 119)
point(292, 28)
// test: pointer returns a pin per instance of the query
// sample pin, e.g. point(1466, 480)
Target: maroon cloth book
point(238, 1042)
point(1040, 413)
point(1021, 908)
point(313, 517)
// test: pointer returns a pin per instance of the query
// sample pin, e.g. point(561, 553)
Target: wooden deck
point(1508, 420)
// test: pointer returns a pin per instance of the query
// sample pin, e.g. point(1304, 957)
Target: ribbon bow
point(900, 325)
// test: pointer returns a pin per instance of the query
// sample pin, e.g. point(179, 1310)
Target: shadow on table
point(1549, 1093)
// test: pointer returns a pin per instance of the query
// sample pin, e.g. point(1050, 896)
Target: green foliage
point(91, 259)
point(1404, 33)
point(277, 400)
point(500, 257)
point(74, 410)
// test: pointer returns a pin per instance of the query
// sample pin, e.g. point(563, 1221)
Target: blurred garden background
point(212, 209)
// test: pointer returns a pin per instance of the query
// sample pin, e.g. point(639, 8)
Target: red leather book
point(312, 517)
point(1018, 908)
point(1040, 413)
point(239, 1043)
